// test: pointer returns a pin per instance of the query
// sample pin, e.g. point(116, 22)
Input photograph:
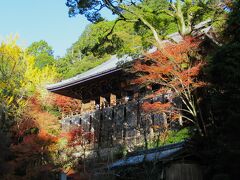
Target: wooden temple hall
point(107, 107)
point(106, 85)
point(97, 88)
point(101, 87)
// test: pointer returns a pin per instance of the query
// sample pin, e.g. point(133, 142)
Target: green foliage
point(92, 8)
point(100, 39)
point(96, 45)
point(232, 32)
point(69, 69)
point(40, 47)
point(42, 52)
point(30, 131)
point(223, 100)
point(174, 136)
point(226, 67)
point(154, 12)
point(177, 136)
point(63, 65)
point(121, 152)
point(131, 33)
point(51, 109)
point(149, 13)
point(62, 143)
point(25, 73)
point(144, 12)
point(224, 64)
point(92, 39)
point(84, 65)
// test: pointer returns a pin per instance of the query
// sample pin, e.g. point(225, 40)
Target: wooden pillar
point(92, 105)
point(113, 99)
point(102, 102)
point(123, 93)
point(80, 107)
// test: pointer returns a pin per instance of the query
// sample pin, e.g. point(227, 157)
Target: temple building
point(100, 87)
point(108, 107)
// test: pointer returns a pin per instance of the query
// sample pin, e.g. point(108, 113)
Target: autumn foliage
point(34, 143)
point(66, 104)
point(34, 148)
point(176, 70)
point(77, 136)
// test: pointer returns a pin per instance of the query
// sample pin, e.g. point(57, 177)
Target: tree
point(79, 138)
point(33, 156)
point(40, 47)
point(67, 68)
point(66, 105)
point(20, 80)
point(12, 82)
point(187, 13)
point(142, 11)
point(91, 9)
point(96, 40)
point(223, 100)
point(95, 46)
point(176, 72)
point(42, 52)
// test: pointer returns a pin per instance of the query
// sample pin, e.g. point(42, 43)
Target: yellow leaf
point(3, 85)
point(10, 100)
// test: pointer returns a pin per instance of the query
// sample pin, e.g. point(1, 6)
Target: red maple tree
point(176, 70)
point(66, 104)
point(77, 136)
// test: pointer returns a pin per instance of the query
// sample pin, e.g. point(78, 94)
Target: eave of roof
point(62, 85)
point(157, 154)
point(105, 68)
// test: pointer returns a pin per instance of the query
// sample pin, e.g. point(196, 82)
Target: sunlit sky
point(34, 20)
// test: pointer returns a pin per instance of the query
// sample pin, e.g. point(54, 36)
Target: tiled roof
point(109, 66)
point(157, 154)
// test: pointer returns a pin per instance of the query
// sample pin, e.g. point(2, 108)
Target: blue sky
point(35, 20)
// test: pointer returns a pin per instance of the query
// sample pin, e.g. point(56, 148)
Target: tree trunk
point(183, 27)
point(146, 23)
point(154, 31)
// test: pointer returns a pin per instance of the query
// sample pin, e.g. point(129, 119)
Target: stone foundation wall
point(123, 124)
